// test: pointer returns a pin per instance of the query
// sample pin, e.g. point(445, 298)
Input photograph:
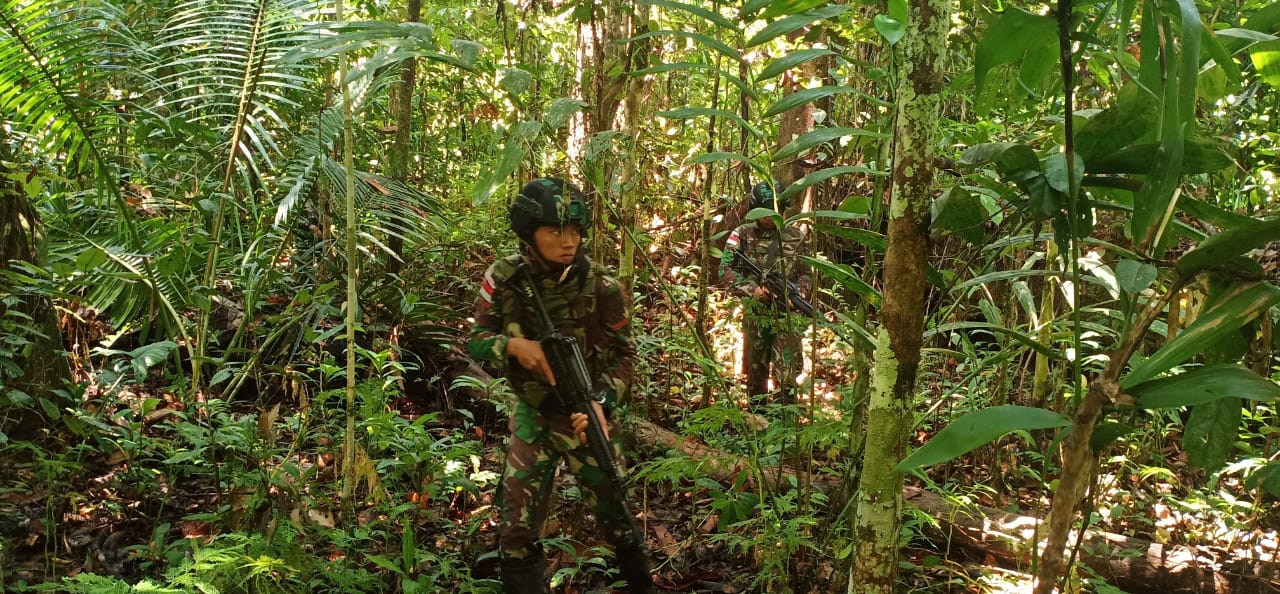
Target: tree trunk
point(43, 361)
point(400, 148)
point(878, 521)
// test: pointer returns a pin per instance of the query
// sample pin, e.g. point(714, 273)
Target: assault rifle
point(781, 286)
point(573, 390)
point(774, 281)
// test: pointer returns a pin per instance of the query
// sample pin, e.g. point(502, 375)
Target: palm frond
point(57, 61)
point(227, 64)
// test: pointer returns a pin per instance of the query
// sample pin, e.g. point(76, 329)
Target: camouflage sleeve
point(741, 285)
point(619, 366)
point(488, 340)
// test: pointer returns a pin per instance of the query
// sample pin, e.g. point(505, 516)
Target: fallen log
point(1134, 565)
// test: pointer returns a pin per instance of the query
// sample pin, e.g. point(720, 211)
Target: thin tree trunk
point(878, 521)
point(400, 148)
point(353, 276)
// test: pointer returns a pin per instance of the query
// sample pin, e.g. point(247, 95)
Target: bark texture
point(43, 361)
point(877, 524)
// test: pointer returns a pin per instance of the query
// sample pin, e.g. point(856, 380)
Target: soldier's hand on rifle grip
point(529, 354)
point(762, 293)
point(579, 421)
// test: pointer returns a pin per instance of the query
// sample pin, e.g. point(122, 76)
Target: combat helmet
point(763, 192)
point(548, 201)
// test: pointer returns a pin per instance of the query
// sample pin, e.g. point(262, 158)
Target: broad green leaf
point(1009, 38)
point(898, 10)
point(981, 154)
point(790, 61)
point(1246, 35)
point(1106, 433)
point(1267, 478)
point(801, 97)
point(844, 275)
point(857, 205)
point(1221, 56)
point(874, 241)
point(516, 147)
point(788, 24)
point(1055, 172)
point(146, 356)
point(705, 14)
point(839, 215)
point(979, 428)
point(1199, 155)
point(1211, 433)
point(1189, 62)
point(961, 213)
point(1017, 335)
point(727, 76)
point(1130, 117)
point(890, 28)
point(560, 110)
point(750, 7)
point(779, 8)
point(1216, 215)
point(1266, 58)
point(1038, 63)
point(1265, 19)
point(1204, 384)
point(818, 137)
point(688, 113)
point(825, 174)
point(1134, 277)
point(709, 42)
point(1004, 275)
point(760, 213)
point(1220, 247)
point(514, 80)
point(1245, 302)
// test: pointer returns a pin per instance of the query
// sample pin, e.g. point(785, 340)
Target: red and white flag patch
point(733, 240)
point(486, 289)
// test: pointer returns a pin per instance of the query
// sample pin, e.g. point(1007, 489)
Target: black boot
point(524, 575)
point(633, 566)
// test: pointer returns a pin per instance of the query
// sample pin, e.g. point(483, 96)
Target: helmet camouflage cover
point(549, 201)
point(763, 192)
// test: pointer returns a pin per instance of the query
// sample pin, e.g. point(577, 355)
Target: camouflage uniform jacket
point(770, 249)
point(588, 306)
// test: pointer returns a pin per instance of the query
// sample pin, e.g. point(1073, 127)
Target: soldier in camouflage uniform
point(769, 339)
point(550, 217)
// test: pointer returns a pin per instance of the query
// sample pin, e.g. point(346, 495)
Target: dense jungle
point(242, 244)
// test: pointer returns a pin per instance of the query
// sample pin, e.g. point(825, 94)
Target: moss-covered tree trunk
point(878, 522)
point(42, 360)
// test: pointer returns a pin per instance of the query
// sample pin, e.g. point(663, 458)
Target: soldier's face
point(558, 244)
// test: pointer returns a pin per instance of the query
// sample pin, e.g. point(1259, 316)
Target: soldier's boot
point(524, 575)
point(633, 566)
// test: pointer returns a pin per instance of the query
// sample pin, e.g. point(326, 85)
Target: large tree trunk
point(877, 523)
point(43, 360)
point(1138, 566)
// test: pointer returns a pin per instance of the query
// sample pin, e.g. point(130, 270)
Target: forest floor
point(96, 501)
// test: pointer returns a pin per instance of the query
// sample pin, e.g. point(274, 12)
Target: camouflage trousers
point(538, 444)
point(770, 347)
